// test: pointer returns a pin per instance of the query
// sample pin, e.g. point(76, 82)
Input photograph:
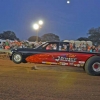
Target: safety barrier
point(4, 53)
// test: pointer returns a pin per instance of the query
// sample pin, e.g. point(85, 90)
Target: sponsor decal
point(43, 62)
point(71, 64)
point(48, 63)
point(53, 63)
point(63, 63)
point(75, 64)
point(78, 65)
point(66, 59)
point(71, 56)
point(82, 62)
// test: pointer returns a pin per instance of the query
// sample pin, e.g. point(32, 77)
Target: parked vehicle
point(58, 53)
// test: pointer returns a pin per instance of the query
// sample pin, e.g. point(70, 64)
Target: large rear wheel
point(92, 66)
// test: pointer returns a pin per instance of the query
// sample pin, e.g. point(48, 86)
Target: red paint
point(70, 58)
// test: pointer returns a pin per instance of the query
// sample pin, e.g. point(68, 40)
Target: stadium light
point(37, 26)
point(68, 1)
point(40, 22)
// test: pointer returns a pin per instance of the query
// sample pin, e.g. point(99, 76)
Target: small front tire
point(17, 58)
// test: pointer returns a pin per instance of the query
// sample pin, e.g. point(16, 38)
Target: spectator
point(99, 48)
point(49, 47)
point(54, 46)
point(3, 45)
point(71, 46)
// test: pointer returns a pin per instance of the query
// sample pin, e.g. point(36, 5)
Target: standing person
point(80, 47)
point(33, 46)
point(7, 46)
point(84, 47)
point(71, 46)
point(93, 48)
point(87, 46)
point(99, 48)
point(0, 45)
point(3, 45)
point(7, 42)
point(64, 47)
point(96, 49)
point(68, 47)
point(74, 46)
point(89, 49)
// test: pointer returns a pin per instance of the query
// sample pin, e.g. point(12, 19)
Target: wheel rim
point(17, 57)
point(96, 67)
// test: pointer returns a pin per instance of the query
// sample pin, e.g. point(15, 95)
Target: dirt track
point(21, 82)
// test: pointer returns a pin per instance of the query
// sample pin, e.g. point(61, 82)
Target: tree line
point(92, 35)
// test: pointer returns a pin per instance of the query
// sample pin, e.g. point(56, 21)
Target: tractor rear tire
point(92, 66)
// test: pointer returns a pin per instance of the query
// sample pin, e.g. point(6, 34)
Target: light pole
point(37, 26)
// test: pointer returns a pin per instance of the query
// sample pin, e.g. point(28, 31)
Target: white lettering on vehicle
point(61, 58)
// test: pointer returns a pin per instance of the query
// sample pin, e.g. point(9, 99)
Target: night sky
point(68, 21)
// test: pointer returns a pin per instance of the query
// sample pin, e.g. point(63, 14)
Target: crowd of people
point(23, 44)
point(8, 45)
point(84, 47)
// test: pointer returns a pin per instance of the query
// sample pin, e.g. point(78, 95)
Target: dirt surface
point(23, 82)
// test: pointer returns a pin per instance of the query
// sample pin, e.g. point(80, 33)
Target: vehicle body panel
point(60, 58)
